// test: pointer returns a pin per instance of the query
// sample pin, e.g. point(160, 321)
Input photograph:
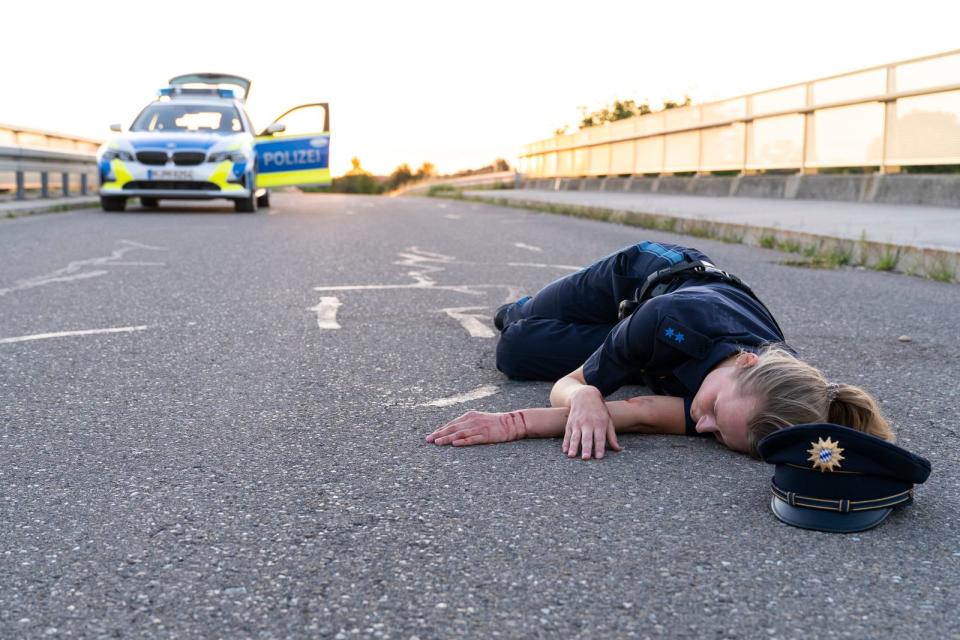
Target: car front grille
point(172, 185)
point(152, 157)
point(188, 158)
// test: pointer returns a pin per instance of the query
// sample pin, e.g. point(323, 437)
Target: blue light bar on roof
point(170, 92)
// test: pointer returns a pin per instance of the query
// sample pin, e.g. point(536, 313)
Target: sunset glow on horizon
point(454, 84)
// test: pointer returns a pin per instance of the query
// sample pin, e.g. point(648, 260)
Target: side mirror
point(116, 127)
point(276, 127)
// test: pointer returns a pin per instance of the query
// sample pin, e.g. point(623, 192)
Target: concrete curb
point(18, 208)
point(817, 249)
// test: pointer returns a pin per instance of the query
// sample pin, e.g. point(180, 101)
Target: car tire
point(113, 203)
point(246, 205)
point(150, 203)
point(264, 200)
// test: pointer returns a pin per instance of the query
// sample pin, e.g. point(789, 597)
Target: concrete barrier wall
point(616, 184)
point(935, 190)
point(845, 188)
point(761, 187)
point(591, 184)
point(644, 185)
point(942, 191)
point(712, 185)
point(674, 184)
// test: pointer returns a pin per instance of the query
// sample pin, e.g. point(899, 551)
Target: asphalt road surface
point(244, 455)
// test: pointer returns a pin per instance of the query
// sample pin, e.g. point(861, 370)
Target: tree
point(356, 180)
point(357, 170)
point(620, 110)
point(426, 170)
point(400, 176)
point(669, 104)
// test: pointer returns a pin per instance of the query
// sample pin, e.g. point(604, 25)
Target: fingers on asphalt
point(612, 438)
point(575, 442)
point(597, 444)
point(586, 441)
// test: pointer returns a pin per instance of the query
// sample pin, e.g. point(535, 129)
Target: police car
point(195, 141)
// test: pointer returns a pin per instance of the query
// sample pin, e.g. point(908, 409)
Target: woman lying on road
point(662, 316)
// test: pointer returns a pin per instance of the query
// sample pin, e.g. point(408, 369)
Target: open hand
point(589, 426)
point(477, 427)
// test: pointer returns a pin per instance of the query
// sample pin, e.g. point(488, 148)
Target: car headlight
point(118, 154)
point(232, 156)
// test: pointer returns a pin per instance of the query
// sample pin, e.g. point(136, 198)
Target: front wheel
point(264, 200)
point(150, 203)
point(113, 203)
point(246, 205)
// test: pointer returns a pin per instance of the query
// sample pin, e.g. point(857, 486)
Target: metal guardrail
point(32, 161)
point(889, 116)
point(476, 180)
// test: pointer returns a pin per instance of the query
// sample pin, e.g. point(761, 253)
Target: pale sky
point(454, 83)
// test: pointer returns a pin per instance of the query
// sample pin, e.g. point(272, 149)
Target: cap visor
point(829, 521)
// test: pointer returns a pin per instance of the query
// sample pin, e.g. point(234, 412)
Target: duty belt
point(660, 282)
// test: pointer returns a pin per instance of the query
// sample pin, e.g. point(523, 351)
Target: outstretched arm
point(643, 414)
point(478, 427)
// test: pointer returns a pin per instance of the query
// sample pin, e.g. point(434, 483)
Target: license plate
point(170, 174)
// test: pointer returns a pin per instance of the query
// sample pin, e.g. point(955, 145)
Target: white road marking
point(65, 334)
point(139, 245)
point(476, 394)
point(471, 321)
point(513, 294)
point(469, 289)
point(453, 216)
point(528, 247)
point(540, 265)
point(51, 279)
point(327, 312)
point(75, 270)
point(424, 262)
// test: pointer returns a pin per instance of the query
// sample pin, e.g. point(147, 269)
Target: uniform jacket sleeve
point(623, 355)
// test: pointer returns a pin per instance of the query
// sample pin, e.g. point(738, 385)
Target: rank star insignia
point(825, 454)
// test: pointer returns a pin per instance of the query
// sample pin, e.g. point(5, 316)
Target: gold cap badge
point(825, 454)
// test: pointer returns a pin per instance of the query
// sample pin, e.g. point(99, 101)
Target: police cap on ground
point(837, 479)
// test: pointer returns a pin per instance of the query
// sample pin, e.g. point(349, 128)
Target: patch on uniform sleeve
point(670, 255)
point(679, 336)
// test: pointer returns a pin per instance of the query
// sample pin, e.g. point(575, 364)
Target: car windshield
point(189, 118)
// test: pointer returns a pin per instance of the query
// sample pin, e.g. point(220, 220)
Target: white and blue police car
point(196, 141)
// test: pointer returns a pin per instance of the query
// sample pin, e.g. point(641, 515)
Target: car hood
point(170, 141)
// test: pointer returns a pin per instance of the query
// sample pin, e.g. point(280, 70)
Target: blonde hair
point(791, 392)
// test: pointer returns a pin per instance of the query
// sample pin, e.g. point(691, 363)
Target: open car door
point(295, 149)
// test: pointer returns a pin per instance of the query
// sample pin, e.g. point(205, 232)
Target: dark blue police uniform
point(669, 344)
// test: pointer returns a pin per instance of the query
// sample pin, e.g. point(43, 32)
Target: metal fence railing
point(36, 163)
point(886, 117)
point(479, 180)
